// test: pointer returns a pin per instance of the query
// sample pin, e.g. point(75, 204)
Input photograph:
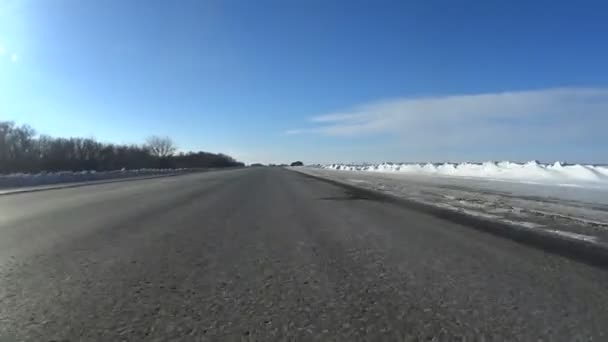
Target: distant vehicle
point(297, 163)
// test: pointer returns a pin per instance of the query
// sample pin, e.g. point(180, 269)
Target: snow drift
point(556, 173)
point(17, 180)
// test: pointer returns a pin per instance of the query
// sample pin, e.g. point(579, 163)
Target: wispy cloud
point(12, 56)
point(492, 118)
point(295, 131)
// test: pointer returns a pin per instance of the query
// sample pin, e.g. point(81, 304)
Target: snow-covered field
point(20, 180)
point(569, 200)
point(532, 172)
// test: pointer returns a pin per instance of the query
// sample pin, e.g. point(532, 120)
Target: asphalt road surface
point(269, 254)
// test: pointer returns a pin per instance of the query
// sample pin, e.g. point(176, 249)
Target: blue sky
point(320, 81)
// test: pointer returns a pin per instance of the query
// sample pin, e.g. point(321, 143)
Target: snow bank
point(17, 180)
point(557, 173)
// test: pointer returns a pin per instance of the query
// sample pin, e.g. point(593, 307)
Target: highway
point(265, 254)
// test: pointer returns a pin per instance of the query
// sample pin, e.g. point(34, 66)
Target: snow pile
point(557, 173)
point(16, 180)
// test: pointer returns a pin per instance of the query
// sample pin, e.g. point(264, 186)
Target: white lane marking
point(358, 181)
point(571, 235)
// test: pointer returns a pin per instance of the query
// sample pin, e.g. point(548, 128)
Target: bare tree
point(160, 146)
point(22, 150)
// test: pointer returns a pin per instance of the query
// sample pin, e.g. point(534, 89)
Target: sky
point(321, 81)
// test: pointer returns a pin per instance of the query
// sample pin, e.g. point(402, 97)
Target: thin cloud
point(14, 58)
point(302, 131)
point(459, 120)
point(294, 131)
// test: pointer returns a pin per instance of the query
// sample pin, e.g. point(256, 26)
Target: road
point(267, 254)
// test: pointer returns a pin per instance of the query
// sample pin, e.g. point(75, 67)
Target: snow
point(530, 172)
point(18, 180)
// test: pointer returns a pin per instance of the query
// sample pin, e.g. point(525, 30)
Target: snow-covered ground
point(532, 172)
point(569, 200)
point(20, 180)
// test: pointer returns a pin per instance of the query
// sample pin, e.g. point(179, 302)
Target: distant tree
point(21, 150)
point(160, 147)
point(297, 163)
point(203, 160)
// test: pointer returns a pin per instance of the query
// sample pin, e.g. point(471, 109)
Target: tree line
point(23, 150)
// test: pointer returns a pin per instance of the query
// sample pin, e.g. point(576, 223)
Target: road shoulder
point(560, 242)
